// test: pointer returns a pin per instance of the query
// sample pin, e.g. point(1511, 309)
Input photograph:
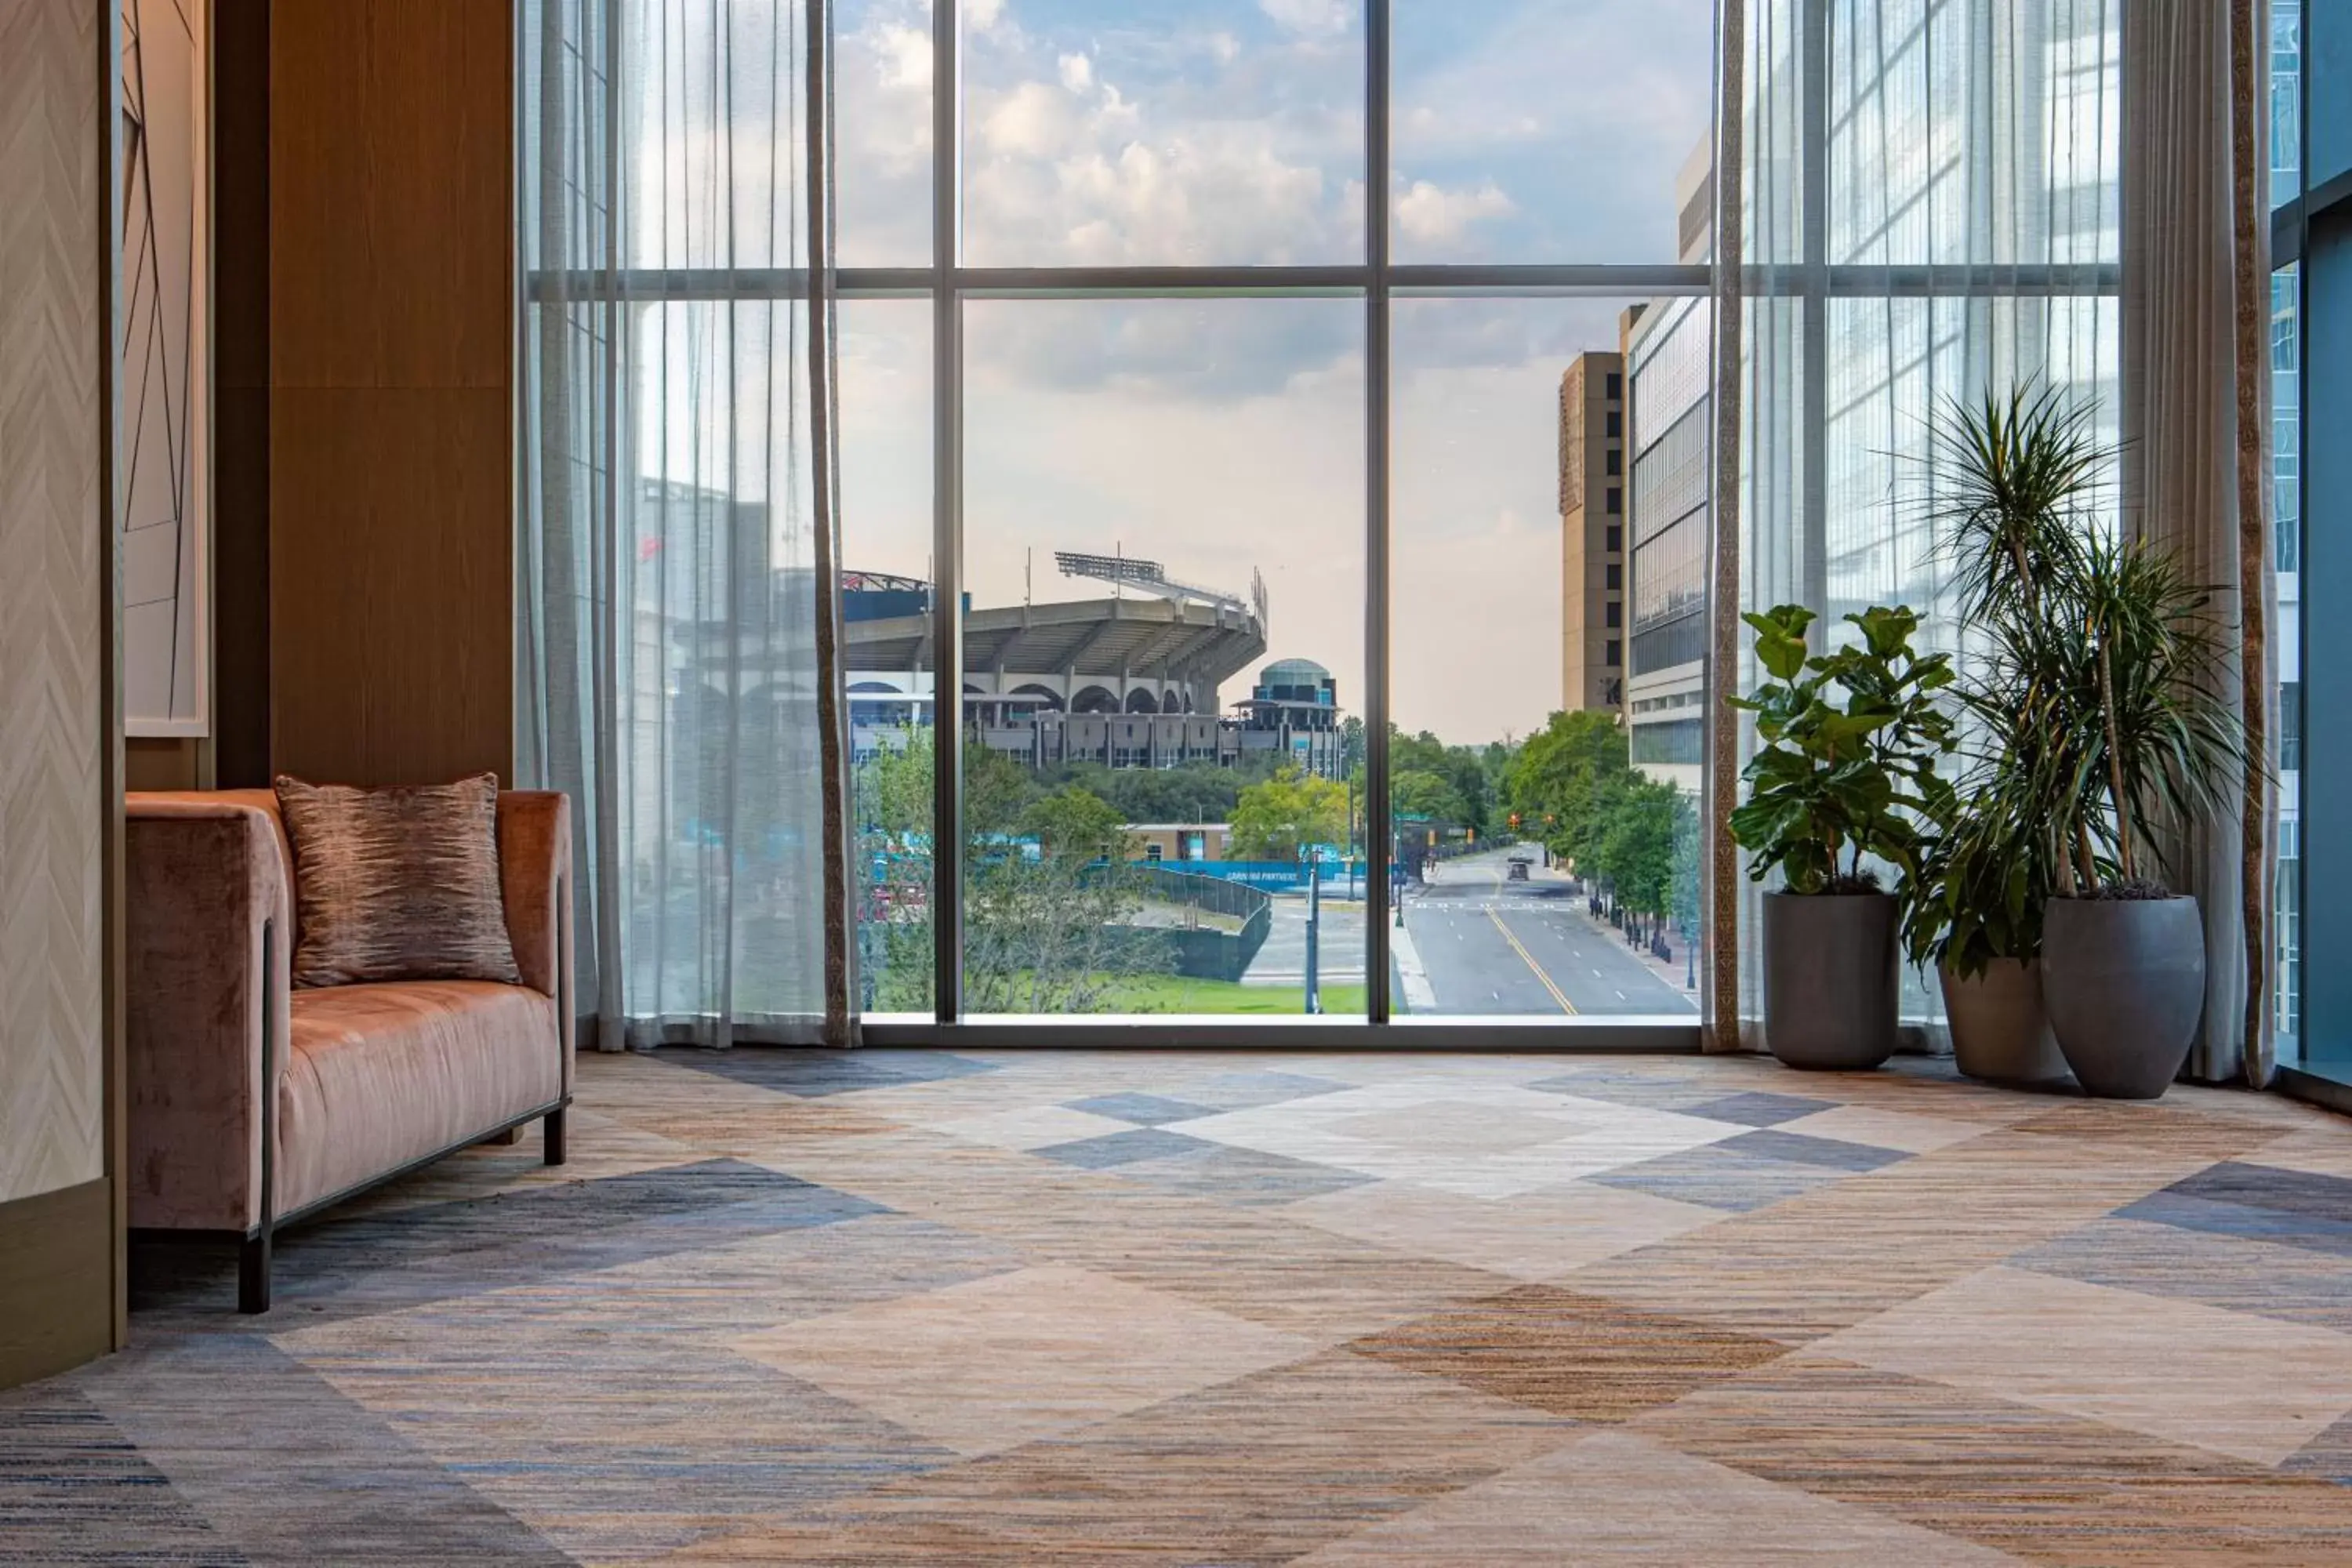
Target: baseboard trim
point(56, 1281)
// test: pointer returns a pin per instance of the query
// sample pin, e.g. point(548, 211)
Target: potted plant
point(2145, 744)
point(1975, 917)
point(1844, 774)
point(2014, 487)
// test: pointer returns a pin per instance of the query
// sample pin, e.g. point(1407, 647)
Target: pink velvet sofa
point(253, 1105)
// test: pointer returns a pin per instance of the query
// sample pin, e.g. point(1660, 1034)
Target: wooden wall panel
point(55, 1273)
point(391, 582)
point(404, 581)
point(240, 340)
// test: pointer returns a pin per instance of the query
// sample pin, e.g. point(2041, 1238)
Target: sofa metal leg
point(554, 1127)
point(253, 1274)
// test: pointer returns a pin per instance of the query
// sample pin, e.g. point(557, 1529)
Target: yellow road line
point(1529, 958)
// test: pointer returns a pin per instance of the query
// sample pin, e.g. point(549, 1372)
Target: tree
point(1637, 850)
point(1567, 779)
point(1415, 793)
point(1276, 820)
point(1463, 768)
point(1076, 823)
point(1046, 928)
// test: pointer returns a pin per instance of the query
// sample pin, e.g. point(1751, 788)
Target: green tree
point(1076, 822)
point(1274, 820)
point(1566, 781)
point(1463, 770)
point(1636, 845)
point(1415, 792)
point(1046, 929)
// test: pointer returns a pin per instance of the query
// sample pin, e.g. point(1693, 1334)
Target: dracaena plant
point(1845, 770)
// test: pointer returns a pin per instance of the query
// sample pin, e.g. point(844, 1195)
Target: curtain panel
point(676, 670)
point(2196, 326)
point(1928, 201)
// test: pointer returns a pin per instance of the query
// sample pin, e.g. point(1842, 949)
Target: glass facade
point(1932, 213)
point(1246, 408)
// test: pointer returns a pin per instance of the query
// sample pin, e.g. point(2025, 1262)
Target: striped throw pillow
point(397, 884)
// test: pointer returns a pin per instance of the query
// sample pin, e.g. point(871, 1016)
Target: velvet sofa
point(253, 1105)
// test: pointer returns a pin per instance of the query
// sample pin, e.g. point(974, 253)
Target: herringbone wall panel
point(53, 572)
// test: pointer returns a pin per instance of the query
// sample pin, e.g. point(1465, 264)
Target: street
point(1475, 942)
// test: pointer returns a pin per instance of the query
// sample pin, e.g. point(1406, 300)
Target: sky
point(1223, 437)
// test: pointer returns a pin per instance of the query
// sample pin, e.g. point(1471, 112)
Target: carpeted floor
point(914, 1308)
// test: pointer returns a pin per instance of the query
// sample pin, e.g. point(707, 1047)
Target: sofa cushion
point(397, 884)
point(381, 1074)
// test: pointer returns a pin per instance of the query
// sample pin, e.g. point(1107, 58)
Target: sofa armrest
point(535, 880)
point(204, 879)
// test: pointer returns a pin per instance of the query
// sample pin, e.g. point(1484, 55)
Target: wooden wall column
point(390, 450)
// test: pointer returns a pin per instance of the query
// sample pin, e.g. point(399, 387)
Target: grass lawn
point(1176, 994)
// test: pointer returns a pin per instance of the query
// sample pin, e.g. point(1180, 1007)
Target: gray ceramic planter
point(2125, 983)
point(1830, 981)
point(1999, 1028)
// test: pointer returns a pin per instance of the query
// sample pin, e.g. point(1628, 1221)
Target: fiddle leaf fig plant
point(1850, 739)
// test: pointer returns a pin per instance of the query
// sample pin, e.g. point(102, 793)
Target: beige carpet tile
point(1613, 1498)
point(1540, 1236)
point(1256, 1470)
point(1570, 1355)
point(1423, 1131)
point(2249, 1387)
point(1027, 1127)
point(2042, 1485)
point(1002, 1361)
point(932, 1307)
point(1842, 1253)
point(1910, 1131)
point(2318, 1149)
point(2175, 1129)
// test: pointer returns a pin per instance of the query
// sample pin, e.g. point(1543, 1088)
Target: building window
point(1616, 581)
point(1616, 425)
point(1616, 539)
point(1616, 610)
point(1616, 462)
point(1616, 500)
point(1616, 386)
point(1616, 650)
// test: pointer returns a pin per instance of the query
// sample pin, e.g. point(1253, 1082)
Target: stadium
point(1129, 679)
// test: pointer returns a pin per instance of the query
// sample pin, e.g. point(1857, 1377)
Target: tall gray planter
point(2124, 980)
point(1831, 978)
point(2000, 1030)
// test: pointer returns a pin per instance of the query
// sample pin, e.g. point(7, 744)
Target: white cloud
point(1430, 213)
point(1313, 16)
point(1033, 120)
point(1078, 72)
point(980, 15)
point(902, 56)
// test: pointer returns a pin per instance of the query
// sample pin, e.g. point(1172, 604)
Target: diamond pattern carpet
point(910, 1307)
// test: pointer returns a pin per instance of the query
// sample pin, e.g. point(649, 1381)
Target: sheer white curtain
point(677, 540)
point(2196, 325)
point(1929, 195)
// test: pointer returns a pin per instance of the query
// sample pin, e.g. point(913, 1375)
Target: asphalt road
point(1487, 945)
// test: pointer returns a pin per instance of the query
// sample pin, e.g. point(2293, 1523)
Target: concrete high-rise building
point(1668, 351)
point(1593, 532)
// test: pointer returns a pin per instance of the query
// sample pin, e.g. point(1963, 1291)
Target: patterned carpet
point(915, 1308)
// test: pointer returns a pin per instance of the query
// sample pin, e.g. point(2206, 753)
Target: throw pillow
point(397, 884)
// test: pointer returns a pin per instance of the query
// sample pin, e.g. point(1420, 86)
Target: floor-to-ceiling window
point(2310, 388)
point(1250, 560)
point(1278, 453)
point(1932, 213)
